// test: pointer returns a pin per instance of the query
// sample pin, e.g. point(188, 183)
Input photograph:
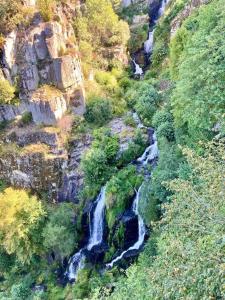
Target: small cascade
point(141, 232)
point(162, 7)
point(150, 155)
point(138, 69)
point(138, 121)
point(148, 45)
point(96, 228)
point(76, 262)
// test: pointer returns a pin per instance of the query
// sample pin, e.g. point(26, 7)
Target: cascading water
point(163, 7)
point(148, 45)
point(150, 154)
point(76, 262)
point(138, 69)
point(96, 229)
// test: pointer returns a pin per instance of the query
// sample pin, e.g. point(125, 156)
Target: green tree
point(60, 233)
point(98, 111)
point(198, 98)
point(21, 216)
point(7, 92)
point(189, 262)
point(147, 102)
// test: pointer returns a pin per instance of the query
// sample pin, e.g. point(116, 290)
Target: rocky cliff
point(43, 53)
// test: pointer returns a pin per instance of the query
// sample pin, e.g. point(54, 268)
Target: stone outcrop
point(33, 171)
point(185, 13)
point(43, 54)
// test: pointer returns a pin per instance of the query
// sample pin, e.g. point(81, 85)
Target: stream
point(96, 226)
point(150, 155)
point(149, 43)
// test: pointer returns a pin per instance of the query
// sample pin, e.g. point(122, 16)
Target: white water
point(148, 45)
point(150, 154)
point(138, 121)
point(96, 229)
point(138, 69)
point(76, 262)
point(163, 7)
point(141, 232)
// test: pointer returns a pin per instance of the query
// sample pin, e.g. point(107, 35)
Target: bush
point(26, 118)
point(10, 15)
point(7, 92)
point(46, 9)
point(163, 122)
point(147, 103)
point(119, 191)
point(99, 111)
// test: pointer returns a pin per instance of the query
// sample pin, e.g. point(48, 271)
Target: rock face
point(185, 13)
point(43, 54)
point(72, 178)
point(32, 170)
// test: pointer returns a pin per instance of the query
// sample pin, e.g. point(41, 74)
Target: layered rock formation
point(43, 53)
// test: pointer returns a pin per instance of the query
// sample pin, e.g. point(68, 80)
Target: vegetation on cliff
point(182, 97)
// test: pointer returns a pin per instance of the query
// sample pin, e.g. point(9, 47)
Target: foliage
point(163, 122)
point(147, 102)
point(98, 111)
point(59, 233)
point(20, 220)
point(7, 92)
point(198, 98)
point(119, 190)
point(98, 163)
point(26, 118)
point(10, 15)
point(46, 9)
point(190, 247)
point(135, 148)
point(100, 28)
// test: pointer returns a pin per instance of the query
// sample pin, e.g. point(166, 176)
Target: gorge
point(112, 149)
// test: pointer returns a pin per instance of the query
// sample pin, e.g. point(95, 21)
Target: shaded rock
point(67, 72)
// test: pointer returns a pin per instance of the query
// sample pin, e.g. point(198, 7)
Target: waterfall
point(96, 228)
point(138, 69)
point(141, 232)
point(148, 45)
point(150, 154)
point(76, 263)
point(162, 7)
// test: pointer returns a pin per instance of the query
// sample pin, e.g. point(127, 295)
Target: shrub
point(26, 118)
point(99, 111)
point(119, 191)
point(7, 92)
point(147, 103)
point(46, 9)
